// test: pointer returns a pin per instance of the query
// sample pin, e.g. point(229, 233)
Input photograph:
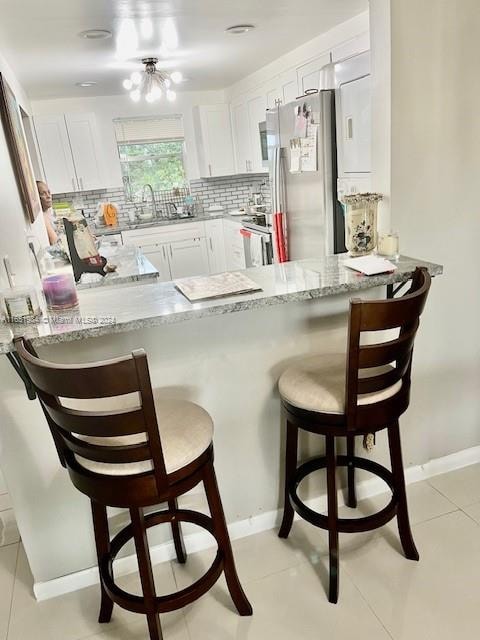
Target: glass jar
point(361, 222)
point(58, 283)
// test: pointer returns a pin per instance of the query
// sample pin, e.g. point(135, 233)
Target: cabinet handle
point(163, 249)
point(74, 188)
point(211, 245)
point(81, 184)
point(171, 252)
point(210, 169)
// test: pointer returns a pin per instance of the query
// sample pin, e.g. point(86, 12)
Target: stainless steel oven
point(257, 243)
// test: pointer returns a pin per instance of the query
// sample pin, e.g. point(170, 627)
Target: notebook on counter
point(370, 265)
point(217, 286)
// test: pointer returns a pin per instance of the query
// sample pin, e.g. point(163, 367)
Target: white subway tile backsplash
point(230, 191)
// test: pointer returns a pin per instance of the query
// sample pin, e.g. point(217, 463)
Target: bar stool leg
point(102, 543)
point(291, 454)
point(146, 573)
point(403, 521)
point(332, 518)
point(237, 594)
point(352, 496)
point(177, 534)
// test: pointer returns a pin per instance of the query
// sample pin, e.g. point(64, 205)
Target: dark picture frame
point(17, 145)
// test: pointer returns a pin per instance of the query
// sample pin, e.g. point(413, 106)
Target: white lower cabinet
point(181, 250)
point(215, 245)
point(188, 258)
point(234, 247)
point(157, 255)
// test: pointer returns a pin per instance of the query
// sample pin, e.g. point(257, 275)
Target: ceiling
point(40, 39)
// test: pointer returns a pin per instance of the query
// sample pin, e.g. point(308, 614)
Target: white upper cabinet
point(56, 153)
point(82, 133)
point(241, 133)
point(308, 75)
point(70, 152)
point(246, 117)
point(213, 131)
point(257, 107)
point(289, 89)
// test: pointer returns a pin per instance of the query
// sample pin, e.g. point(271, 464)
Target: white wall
point(380, 39)
point(436, 208)
point(14, 224)
point(106, 108)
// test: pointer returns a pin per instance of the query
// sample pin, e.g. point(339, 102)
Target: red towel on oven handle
point(278, 224)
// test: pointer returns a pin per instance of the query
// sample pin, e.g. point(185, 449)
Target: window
point(151, 151)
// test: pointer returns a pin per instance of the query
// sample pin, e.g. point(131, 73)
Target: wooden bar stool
point(103, 418)
point(340, 396)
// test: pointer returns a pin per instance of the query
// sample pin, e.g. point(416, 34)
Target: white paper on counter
point(370, 265)
point(217, 286)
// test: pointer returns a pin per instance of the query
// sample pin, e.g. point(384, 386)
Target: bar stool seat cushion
point(317, 383)
point(186, 431)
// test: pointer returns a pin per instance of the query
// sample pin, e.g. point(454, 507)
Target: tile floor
point(382, 595)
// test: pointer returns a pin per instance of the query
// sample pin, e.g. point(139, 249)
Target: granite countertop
point(149, 305)
point(132, 266)
point(156, 222)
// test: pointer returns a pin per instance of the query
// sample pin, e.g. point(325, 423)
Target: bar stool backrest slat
point(385, 366)
point(108, 399)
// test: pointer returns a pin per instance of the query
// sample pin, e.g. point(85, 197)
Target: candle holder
point(361, 222)
point(388, 245)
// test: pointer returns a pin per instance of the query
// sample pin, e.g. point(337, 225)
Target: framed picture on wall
point(17, 144)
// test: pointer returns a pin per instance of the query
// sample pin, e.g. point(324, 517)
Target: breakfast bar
point(225, 354)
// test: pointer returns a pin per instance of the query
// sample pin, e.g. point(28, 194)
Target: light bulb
point(127, 84)
point(135, 95)
point(167, 83)
point(150, 97)
point(156, 91)
point(136, 77)
point(171, 95)
point(176, 77)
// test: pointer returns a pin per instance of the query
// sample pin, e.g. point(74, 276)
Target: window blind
point(130, 130)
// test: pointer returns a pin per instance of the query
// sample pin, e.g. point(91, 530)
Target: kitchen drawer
point(168, 233)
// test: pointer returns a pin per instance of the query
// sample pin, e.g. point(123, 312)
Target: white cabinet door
point(82, 133)
point(234, 248)
point(215, 245)
point(289, 86)
point(256, 113)
point(308, 75)
point(56, 153)
point(355, 113)
point(242, 137)
point(188, 258)
point(157, 254)
point(214, 140)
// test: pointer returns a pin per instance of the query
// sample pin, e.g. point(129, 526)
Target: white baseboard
point(250, 526)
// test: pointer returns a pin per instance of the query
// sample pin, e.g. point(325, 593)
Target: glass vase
point(361, 222)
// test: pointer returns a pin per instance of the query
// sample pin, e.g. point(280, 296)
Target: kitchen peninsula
point(228, 364)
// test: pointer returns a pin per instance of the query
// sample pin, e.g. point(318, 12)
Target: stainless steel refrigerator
point(307, 198)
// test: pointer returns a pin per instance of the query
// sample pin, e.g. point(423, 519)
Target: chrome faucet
point(148, 187)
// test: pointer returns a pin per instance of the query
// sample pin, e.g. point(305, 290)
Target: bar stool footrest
point(344, 525)
point(172, 601)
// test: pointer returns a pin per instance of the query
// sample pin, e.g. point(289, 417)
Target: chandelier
point(151, 83)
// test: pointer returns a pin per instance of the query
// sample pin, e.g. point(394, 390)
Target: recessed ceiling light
point(95, 34)
point(238, 29)
point(88, 83)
